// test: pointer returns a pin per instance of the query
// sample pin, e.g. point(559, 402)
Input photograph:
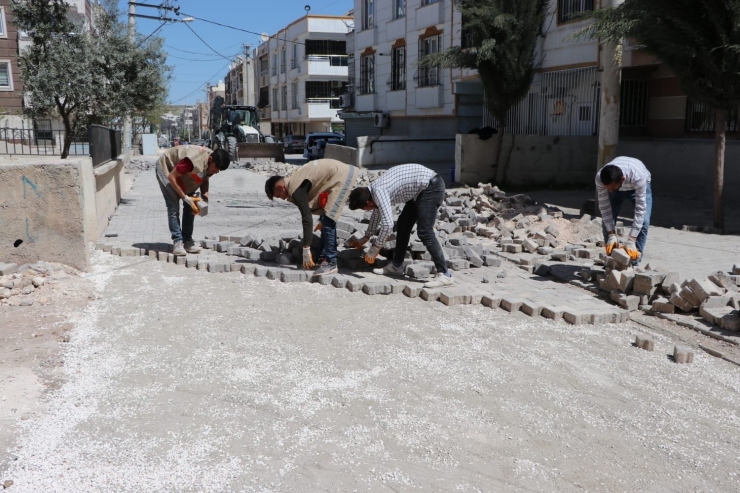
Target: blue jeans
point(616, 199)
point(173, 215)
point(328, 243)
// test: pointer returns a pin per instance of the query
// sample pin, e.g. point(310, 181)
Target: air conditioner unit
point(381, 120)
point(345, 100)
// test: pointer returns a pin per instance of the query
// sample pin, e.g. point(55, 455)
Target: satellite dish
point(308, 9)
point(264, 37)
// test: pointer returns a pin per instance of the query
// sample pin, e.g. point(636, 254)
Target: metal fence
point(564, 102)
point(101, 143)
point(700, 118)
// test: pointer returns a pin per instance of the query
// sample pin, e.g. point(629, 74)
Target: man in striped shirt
point(625, 178)
point(422, 191)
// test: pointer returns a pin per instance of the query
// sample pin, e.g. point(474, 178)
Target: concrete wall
point(108, 183)
point(347, 155)
point(43, 206)
point(528, 161)
point(404, 149)
point(685, 167)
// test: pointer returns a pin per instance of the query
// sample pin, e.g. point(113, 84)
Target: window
point(368, 14)
point(3, 29)
point(633, 110)
point(282, 60)
point(6, 76)
point(275, 105)
point(467, 36)
point(367, 74)
point(264, 66)
point(700, 118)
point(428, 2)
point(429, 76)
point(294, 94)
point(400, 10)
point(570, 9)
point(284, 100)
point(274, 64)
point(294, 60)
point(398, 69)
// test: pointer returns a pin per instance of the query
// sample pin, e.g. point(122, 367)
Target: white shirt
point(636, 177)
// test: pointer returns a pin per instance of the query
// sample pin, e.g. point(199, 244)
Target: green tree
point(501, 39)
point(699, 40)
point(84, 75)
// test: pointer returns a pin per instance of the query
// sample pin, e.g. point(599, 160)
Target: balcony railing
point(334, 60)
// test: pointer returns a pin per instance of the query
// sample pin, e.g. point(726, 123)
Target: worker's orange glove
point(308, 262)
point(318, 226)
point(193, 203)
point(372, 254)
point(611, 243)
point(355, 243)
point(631, 248)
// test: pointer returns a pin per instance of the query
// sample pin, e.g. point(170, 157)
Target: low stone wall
point(379, 151)
point(108, 184)
point(44, 211)
point(347, 155)
point(528, 160)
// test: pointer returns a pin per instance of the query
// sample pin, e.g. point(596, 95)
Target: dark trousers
point(616, 199)
point(328, 243)
point(422, 211)
point(173, 215)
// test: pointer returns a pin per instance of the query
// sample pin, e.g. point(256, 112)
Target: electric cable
point(204, 42)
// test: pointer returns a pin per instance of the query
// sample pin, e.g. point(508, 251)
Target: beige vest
point(326, 175)
point(191, 182)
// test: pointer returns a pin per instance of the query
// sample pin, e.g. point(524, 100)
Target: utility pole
point(611, 71)
point(127, 120)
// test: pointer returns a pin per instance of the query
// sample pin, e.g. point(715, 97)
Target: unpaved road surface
point(179, 380)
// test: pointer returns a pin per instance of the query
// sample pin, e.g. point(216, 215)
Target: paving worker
point(181, 171)
point(625, 178)
point(319, 187)
point(422, 191)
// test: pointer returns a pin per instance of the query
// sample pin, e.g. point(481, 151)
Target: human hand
point(308, 262)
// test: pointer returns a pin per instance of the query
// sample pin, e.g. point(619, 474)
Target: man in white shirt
point(422, 191)
point(625, 178)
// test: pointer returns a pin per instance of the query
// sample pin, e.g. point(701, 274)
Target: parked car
point(293, 143)
point(315, 143)
point(271, 139)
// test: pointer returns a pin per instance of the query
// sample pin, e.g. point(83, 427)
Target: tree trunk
point(720, 127)
point(497, 151)
point(68, 136)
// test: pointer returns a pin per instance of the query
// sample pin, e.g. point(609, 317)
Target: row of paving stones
point(503, 286)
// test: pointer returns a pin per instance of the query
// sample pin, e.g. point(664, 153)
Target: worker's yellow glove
point(611, 243)
point(631, 248)
point(308, 262)
point(318, 226)
point(372, 254)
point(355, 243)
point(192, 202)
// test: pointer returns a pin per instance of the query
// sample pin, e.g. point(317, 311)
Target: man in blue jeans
point(625, 178)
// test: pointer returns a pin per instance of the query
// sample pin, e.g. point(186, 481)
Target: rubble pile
point(17, 284)
point(139, 164)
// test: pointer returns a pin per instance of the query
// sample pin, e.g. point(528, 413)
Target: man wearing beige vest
point(181, 171)
point(320, 187)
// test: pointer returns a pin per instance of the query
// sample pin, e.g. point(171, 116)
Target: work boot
point(440, 281)
point(326, 268)
point(390, 270)
point(179, 249)
point(191, 247)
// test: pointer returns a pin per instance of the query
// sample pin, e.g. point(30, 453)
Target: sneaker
point(440, 281)
point(326, 268)
point(390, 270)
point(179, 249)
point(191, 247)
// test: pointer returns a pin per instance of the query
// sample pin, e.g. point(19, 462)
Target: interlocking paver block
point(373, 288)
point(662, 305)
point(216, 267)
point(418, 271)
point(181, 260)
point(679, 302)
point(621, 257)
point(130, 252)
point(703, 289)
point(355, 285)
point(553, 312)
point(247, 269)
point(532, 308)
point(429, 294)
point(576, 317)
point(339, 282)
point(458, 264)
point(645, 342)
point(455, 296)
point(274, 273)
point(683, 354)
point(491, 300)
point(511, 304)
point(412, 291)
point(688, 295)
point(294, 276)
point(260, 271)
point(162, 256)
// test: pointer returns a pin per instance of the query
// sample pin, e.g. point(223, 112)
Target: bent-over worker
point(319, 187)
point(181, 171)
point(625, 178)
point(423, 191)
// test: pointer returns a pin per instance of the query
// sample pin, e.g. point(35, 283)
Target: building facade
point(302, 71)
point(240, 81)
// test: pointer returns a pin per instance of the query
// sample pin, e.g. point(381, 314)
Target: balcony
point(331, 65)
point(430, 15)
point(324, 109)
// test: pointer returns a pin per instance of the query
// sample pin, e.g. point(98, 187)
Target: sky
point(193, 62)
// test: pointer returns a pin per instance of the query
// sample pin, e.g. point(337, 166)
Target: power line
point(204, 42)
point(195, 52)
point(240, 29)
point(202, 85)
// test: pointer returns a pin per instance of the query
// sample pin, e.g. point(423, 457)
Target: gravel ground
point(183, 381)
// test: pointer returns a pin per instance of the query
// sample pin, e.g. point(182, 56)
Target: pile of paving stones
point(16, 284)
point(140, 164)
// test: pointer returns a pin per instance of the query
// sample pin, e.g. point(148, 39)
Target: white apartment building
point(240, 81)
point(301, 72)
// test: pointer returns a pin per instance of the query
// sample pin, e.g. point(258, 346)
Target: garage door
point(359, 127)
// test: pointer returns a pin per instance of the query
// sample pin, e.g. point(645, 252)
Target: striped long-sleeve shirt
point(636, 177)
point(398, 185)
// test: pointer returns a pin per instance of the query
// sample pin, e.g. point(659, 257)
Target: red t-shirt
point(184, 166)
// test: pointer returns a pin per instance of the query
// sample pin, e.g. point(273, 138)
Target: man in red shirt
point(181, 171)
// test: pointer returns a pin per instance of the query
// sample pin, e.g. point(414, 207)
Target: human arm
point(204, 186)
point(605, 206)
point(300, 199)
point(383, 215)
point(640, 207)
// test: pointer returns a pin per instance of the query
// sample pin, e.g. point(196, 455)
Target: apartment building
point(240, 81)
point(203, 108)
point(303, 70)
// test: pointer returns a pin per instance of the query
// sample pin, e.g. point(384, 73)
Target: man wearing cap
point(181, 171)
point(319, 187)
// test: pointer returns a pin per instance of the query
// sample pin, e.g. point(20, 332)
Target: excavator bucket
point(248, 150)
